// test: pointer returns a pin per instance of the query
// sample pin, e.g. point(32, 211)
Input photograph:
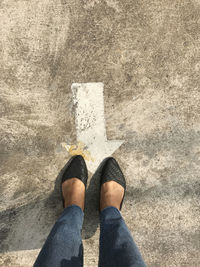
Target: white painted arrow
point(90, 122)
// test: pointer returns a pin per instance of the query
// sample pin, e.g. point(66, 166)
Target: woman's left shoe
point(110, 170)
point(75, 168)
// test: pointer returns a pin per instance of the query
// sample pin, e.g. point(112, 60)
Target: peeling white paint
point(90, 122)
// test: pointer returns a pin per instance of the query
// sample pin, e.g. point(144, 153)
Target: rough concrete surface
point(147, 54)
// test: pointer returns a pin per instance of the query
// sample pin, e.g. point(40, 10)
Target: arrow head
point(99, 152)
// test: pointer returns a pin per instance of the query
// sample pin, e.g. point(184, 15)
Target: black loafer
point(75, 168)
point(110, 171)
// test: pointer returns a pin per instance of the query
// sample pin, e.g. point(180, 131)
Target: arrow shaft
point(89, 112)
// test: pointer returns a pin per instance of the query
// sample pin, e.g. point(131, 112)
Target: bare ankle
point(111, 195)
point(73, 193)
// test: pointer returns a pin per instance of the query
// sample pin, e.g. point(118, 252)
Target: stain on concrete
point(78, 149)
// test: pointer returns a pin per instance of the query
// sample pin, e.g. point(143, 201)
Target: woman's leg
point(117, 247)
point(63, 247)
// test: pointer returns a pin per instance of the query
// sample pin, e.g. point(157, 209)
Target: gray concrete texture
point(147, 53)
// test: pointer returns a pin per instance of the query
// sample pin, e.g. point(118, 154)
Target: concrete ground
point(147, 54)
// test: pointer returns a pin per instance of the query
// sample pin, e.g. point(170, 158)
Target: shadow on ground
point(26, 227)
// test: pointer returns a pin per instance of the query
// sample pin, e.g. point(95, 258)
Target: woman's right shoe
point(75, 168)
point(111, 171)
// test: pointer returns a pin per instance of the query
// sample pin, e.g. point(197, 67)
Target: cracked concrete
point(147, 54)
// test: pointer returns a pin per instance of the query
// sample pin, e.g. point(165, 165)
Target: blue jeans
point(64, 248)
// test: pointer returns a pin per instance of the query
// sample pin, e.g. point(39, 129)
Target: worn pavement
point(147, 54)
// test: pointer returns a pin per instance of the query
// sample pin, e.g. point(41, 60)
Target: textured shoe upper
point(76, 168)
point(112, 172)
